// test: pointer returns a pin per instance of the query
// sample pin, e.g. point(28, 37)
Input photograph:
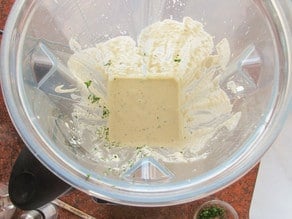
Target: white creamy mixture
point(172, 49)
point(145, 111)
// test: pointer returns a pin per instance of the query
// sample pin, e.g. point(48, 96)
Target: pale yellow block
point(144, 111)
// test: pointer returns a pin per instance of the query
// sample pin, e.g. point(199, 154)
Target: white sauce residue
point(59, 89)
point(182, 50)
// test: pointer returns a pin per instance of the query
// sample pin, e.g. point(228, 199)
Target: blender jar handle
point(32, 185)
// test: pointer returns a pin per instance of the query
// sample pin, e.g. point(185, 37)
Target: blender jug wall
point(43, 36)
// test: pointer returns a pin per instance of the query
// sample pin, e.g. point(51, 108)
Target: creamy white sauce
point(59, 89)
point(145, 111)
point(180, 50)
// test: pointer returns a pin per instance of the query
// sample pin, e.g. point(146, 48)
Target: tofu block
point(144, 110)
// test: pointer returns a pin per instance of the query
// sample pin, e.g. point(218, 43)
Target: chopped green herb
point(108, 63)
point(177, 59)
point(139, 147)
point(105, 112)
point(93, 98)
point(103, 132)
point(130, 163)
point(87, 177)
point(108, 171)
point(88, 83)
point(115, 144)
point(107, 133)
point(212, 212)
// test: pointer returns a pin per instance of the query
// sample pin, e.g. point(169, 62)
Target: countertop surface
point(239, 194)
point(273, 190)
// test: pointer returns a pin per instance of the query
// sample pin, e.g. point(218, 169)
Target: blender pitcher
point(42, 95)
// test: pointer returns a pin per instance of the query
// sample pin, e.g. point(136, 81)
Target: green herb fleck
point(103, 132)
point(177, 59)
point(93, 98)
point(106, 131)
point(139, 147)
point(130, 163)
point(211, 212)
point(108, 63)
point(105, 112)
point(87, 177)
point(88, 83)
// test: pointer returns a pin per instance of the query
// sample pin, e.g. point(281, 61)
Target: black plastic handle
point(32, 185)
